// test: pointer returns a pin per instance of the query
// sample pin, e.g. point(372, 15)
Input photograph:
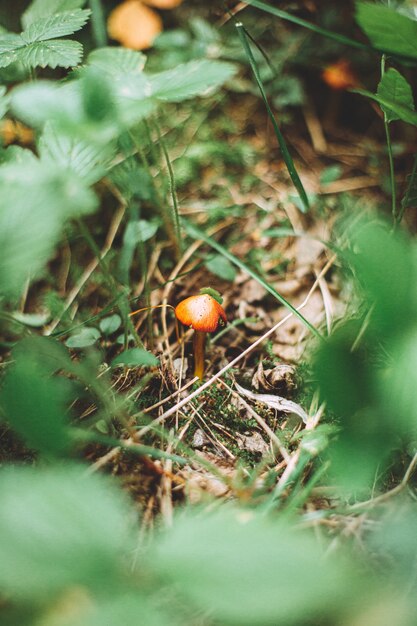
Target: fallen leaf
point(274, 402)
point(134, 25)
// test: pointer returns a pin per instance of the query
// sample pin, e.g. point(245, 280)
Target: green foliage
point(69, 547)
point(190, 79)
point(109, 325)
point(45, 8)
point(220, 266)
point(365, 370)
point(38, 46)
point(276, 567)
point(33, 403)
point(394, 88)
point(52, 537)
point(387, 29)
point(87, 336)
point(135, 357)
point(37, 200)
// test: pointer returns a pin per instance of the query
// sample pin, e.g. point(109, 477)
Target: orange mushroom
point(340, 75)
point(202, 313)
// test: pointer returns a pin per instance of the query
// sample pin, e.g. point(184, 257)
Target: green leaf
point(387, 29)
point(44, 8)
point(85, 160)
point(403, 113)
point(68, 527)
point(109, 325)
point(190, 79)
point(53, 53)
point(10, 44)
point(33, 320)
point(58, 25)
point(381, 262)
point(84, 338)
point(139, 231)
point(230, 564)
point(34, 405)
point(38, 46)
point(117, 61)
point(135, 357)
point(43, 100)
point(393, 87)
point(220, 266)
point(35, 204)
point(213, 293)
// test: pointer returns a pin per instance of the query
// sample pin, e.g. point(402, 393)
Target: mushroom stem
point(199, 346)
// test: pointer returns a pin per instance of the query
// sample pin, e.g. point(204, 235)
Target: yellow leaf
point(134, 25)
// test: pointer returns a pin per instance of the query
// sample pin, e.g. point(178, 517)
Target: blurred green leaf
point(34, 206)
point(117, 62)
point(342, 373)
point(397, 385)
point(44, 100)
point(35, 405)
point(87, 161)
point(119, 609)
point(220, 266)
point(109, 325)
point(135, 357)
point(387, 29)
point(60, 527)
point(393, 87)
point(84, 338)
point(247, 569)
point(382, 261)
point(330, 174)
point(34, 320)
point(139, 231)
point(190, 79)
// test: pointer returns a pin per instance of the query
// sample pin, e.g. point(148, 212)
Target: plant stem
point(98, 23)
point(390, 155)
point(199, 348)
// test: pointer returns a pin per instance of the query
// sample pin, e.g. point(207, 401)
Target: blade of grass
point(197, 233)
point(173, 192)
point(281, 141)
point(308, 25)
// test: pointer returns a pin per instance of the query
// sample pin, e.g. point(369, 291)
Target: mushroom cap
point(201, 312)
